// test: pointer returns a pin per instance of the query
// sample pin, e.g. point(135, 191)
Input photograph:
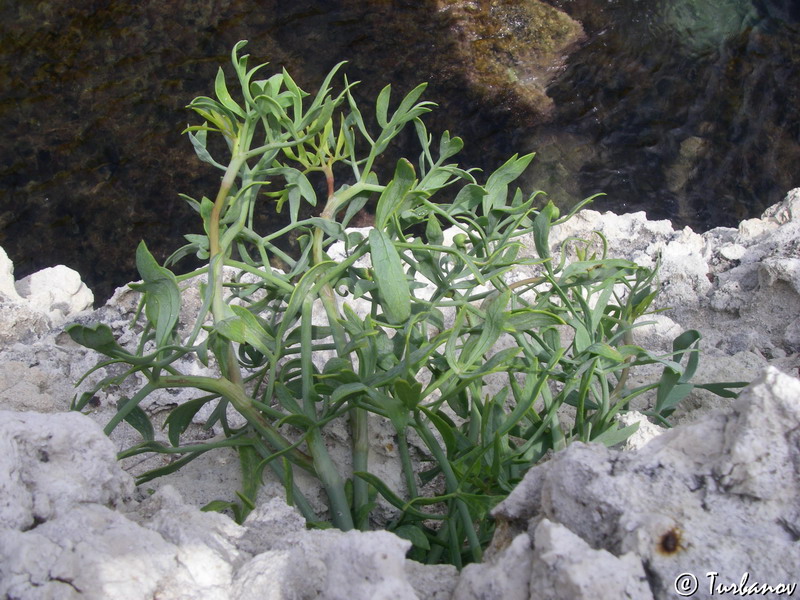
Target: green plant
point(471, 370)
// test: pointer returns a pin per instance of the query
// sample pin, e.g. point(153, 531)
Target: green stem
point(282, 470)
point(323, 465)
point(359, 420)
point(451, 482)
point(242, 403)
point(216, 253)
point(359, 424)
point(408, 467)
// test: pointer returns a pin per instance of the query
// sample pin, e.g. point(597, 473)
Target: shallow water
point(690, 122)
point(667, 107)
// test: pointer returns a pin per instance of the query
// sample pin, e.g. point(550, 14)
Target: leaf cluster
point(416, 323)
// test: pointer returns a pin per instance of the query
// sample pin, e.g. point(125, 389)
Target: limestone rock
point(19, 323)
point(565, 567)
point(39, 302)
point(7, 288)
point(57, 292)
point(507, 577)
point(720, 491)
point(51, 463)
point(91, 552)
point(688, 498)
point(65, 533)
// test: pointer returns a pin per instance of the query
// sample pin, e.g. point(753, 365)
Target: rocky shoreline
point(719, 493)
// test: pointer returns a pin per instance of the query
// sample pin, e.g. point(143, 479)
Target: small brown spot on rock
point(671, 542)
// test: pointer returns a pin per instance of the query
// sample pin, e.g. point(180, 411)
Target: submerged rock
point(702, 25)
point(512, 50)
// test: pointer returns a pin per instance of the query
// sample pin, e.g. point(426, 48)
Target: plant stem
point(359, 421)
point(359, 425)
point(451, 483)
point(216, 261)
point(236, 396)
point(323, 465)
point(408, 467)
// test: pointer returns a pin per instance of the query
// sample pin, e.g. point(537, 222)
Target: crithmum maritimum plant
point(441, 319)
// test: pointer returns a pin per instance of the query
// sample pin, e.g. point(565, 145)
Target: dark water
point(687, 109)
point(666, 107)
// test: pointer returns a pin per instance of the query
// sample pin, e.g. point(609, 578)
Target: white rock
point(56, 291)
point(689, 497)
point(432, 582)
point(506, 577)
point(366, 566)
point(645, 432)
point(733, 251)
point(7, 288)
point(19, 323)
point(565, 567)
point(91, 552)
point(51, 463)
point(263, 577)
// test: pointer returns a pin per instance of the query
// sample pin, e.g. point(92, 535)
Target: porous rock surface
point(717, 494)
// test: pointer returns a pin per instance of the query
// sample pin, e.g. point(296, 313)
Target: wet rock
point(701, 26)
point(512, 49)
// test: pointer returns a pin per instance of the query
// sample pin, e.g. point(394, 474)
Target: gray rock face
point(51, 465)
point(718, 494)
point(66, 531)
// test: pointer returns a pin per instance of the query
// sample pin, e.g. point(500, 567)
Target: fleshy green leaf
point(497, 184)
point(449, 146)
point(224, 97)
point(433, 231)
point(245, 328)
point(393, 292)
point(393, 196)
point(181, 417)
point(96, 336)
point(199, 143)
point(408, 393)
point(382, 106)
point(162, 298)
point(139, 420)
point(442, 426)
point(528, 319)
point(413, 534)
point(541, 229)
point(613, 436)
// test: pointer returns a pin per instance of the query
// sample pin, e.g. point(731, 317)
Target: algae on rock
point(515, 48)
